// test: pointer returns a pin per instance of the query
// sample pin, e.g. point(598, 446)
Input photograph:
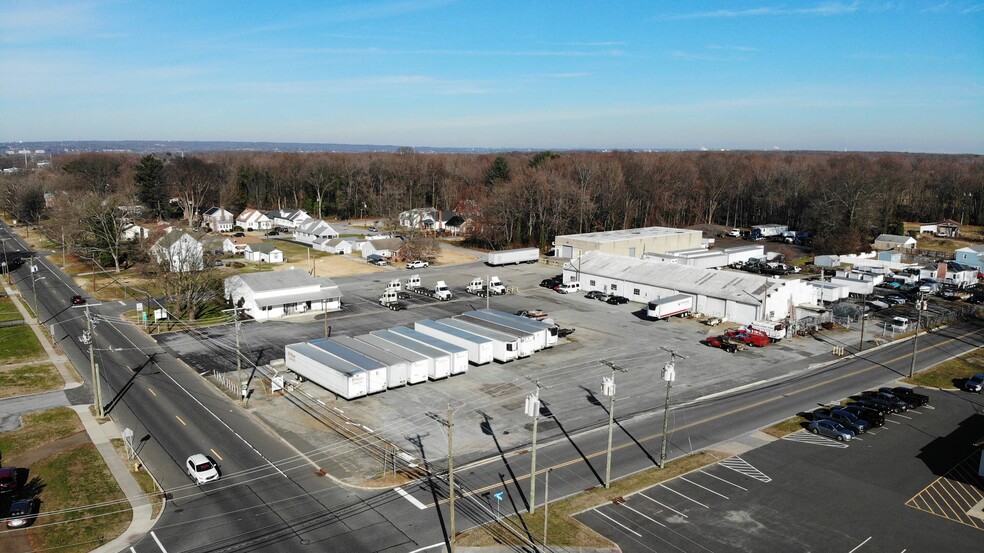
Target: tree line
point(516, 199)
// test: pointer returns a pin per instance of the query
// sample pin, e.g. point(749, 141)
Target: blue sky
point(865, 75)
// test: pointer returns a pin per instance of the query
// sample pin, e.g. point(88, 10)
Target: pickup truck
point(907, 395)
point(533, 314)
point(888, 401)
point(724, 342)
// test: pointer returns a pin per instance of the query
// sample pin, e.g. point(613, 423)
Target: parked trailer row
point(315, 364)
point(479, 349)
point(505, 347)
point(438, 362)
point(397, 368)
point(546, 326)
point(458, 354)
point(417, 363)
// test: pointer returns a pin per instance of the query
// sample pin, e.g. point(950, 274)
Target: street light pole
point(533, 410)
point(915, 339)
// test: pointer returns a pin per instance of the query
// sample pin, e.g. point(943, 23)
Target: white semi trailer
point(511, 257)
point(479, 348)
point(318, 366)
point(375, 371)
point(663, 308)
point(397, 368)
point(546, 327)
point(418, 364)
point(439, 362)
point(505, 347)
point(459, 355)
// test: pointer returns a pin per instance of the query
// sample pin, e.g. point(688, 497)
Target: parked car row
point(18, 505)
point(844, 422)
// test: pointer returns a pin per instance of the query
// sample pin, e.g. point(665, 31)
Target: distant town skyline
point(748, 75)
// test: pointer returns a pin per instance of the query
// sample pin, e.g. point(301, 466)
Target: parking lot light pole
point(920, 307)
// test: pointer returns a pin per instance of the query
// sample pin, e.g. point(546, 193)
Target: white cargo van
point(569, 287)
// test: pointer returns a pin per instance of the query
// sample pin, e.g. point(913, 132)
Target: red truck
point(724, 342)
point(750, 336)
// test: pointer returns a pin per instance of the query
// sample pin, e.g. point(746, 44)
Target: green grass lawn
point(297, 253)
point(29, 379)
point(40, 428)
point(18, 343)
point(8, 311)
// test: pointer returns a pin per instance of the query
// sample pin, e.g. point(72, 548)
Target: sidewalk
point(100, 434)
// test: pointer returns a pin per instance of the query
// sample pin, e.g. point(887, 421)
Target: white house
point(218, 219)
point(264, 252)
point(334, 245)
point(276, 294)
point(893, 241)
point(950, 273)
point(948, 228)
point(288, 218)
point(429, 218)
point(238, 245)
point(386, 248)
point(314, 229)
point(857, 282)
point(135, 232)
point(971, 256)
point(252, 219)
point(178, 251)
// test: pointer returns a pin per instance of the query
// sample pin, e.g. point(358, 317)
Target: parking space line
point(643, 515)
point(618, 523)
point(744, 468)
point(914, 412)
point(413, 500)
point(723, 480)
point(684, 478)
point(860, 544)
point(893, 422)
point(661, 505)
point(902, 416)
point(683, 496)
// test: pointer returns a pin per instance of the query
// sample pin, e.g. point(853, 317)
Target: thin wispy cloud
point(691, 56)
point(827, 9)
point(732, 48)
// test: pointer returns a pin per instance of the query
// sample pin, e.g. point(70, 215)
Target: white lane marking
point(805, 437)
point(745, 468)
point(664, 506)
point(153, 535)
point(410, 498)
point(643, 515)
point(627, 529)
point(436, 545)
point(683, 496)
point(859, 545)
point(723, 480)
point(702, 487)
point(121, 302)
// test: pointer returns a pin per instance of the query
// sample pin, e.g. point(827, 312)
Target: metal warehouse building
point(634, 242)
point(738, 297)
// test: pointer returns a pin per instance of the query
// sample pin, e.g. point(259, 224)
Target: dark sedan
point(874, 417)
point(845, 418)
point(23, 512)
point(617, 300)
point(78, 300)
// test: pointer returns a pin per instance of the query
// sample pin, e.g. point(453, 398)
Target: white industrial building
point(740, 297)
point(708, 259)
point(634, 242)
point(857, 282)
point(277, 294)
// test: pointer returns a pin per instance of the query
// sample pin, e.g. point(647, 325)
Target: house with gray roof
point(314, 229)
point(334, 245)
point(893, 242)
point(279, 294)
point(265, 252)
point(386, 247)
point(178, 251)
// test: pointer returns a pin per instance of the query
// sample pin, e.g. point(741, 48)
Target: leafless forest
point(526, 199)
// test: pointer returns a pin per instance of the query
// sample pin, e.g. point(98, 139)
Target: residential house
point(334, 245)
point(387, 248)
point(178, 251)
point(288, 218)
point(253, 219)
point(238, 245)
point(950, 272)
point(276, 294)
point(429, 218)
point(893, 242)
point(134, 232)
point(971, 256)
point(314, 229)
point(218, 219)
point(947, 228)
point(263, 252)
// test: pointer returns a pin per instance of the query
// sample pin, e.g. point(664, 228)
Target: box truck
point(479, 348)
point(325, 370)
point(459, 355)
point(663, 308)
point(510, 257)
point(397, 368)
point(418, 364)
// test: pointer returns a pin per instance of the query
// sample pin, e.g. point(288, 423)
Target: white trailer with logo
point(439, 362)
point(325, 370)
point(509, 257)
point(459, 355)
point(397, 368)
point(417, 364)
point(528, 342)
point(375, 371)
point(505, 347)
point(479, 348)
point(526, 323)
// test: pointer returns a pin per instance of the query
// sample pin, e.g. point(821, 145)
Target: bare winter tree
point(193, 181)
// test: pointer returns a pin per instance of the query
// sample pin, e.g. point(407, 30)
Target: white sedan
point(201, 469)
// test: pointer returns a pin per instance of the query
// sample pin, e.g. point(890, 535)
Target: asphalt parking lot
point(493, 395)
point(907, 486)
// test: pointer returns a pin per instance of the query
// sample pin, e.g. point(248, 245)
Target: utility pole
point(546, 504)
point(449, 423)
point(669, 375)
point(239, 361)
point(863, 317)
point(533, 410)
point(608, 389)
point(96, 391)
point(915, 339)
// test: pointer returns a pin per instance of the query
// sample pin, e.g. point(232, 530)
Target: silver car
point(830, 429)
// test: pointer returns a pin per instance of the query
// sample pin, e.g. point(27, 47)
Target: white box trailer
point(459, 355)
point(418, 364)
point(509, 257)
point(664, 308)
point(479, 348)
point(505, 347)
point(325, 370)
point(539, 332)
point(375, 371)
point(533, 325)
point(439, 362)
point(527, 341)
point(397, 368)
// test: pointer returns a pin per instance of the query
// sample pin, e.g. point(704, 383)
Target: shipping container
point(439, 362)
point(418, 364)
point(509, 257)
point(459, 355)
point(375, 371)
point(397, 368)
point(533, 325)
point(528, 342)
point(505, 347)
point(325, 370)
point(678, 304)
point(479, 348)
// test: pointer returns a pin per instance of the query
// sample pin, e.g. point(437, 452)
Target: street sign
point(499, 496)
point(139, 306)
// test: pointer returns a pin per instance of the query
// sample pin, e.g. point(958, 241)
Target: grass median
point(948, 374)
point(18, 344)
